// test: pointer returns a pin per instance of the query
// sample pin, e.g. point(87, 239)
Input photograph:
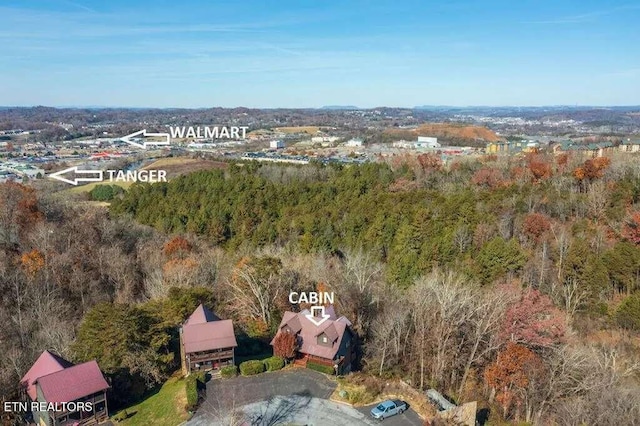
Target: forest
point(511, 281)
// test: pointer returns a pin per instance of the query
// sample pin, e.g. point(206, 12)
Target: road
point(297, 396)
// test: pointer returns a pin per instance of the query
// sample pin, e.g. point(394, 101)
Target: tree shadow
point(278, 410)
point(482, 416)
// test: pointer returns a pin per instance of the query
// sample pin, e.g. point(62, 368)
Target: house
point(55, 381)
point(206, 342)
point(331, 343)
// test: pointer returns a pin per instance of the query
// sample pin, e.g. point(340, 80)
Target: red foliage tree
point(631, 230)
point(284, 345)
point(491, 178)
point(534, 321)
point(535, 225)
point(429, 162)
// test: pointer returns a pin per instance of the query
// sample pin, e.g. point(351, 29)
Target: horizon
point(325, 107)
point(286, 55)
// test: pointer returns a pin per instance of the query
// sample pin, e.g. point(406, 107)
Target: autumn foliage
point(631, 229)
point(512, 373)
point(592, 169)
point(488, 177)
point(534, 321)
point(539, 167)
point(32, 262)
point(535, 225)
point(284, 345)
point(177, 247)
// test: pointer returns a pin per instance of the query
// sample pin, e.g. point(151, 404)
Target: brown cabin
point(206, 342)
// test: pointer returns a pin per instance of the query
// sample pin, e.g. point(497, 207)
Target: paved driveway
point(298, 397)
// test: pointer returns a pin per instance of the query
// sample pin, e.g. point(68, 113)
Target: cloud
point(584, 17)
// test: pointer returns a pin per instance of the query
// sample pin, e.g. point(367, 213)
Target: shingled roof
point(61, 381)
point(46, 363)
point(309, 332)
point(201, 315)
point(73, 383)
point(204, 331)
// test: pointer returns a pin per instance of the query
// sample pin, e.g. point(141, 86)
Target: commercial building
point(277, 144)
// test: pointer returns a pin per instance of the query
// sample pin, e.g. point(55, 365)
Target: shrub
point(229, 371)
point(326, 369)
point(192, 385)
point(249, 368)
point(274, 363)
point(105, 192)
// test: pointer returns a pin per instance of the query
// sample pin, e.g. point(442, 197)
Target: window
point(324, 339)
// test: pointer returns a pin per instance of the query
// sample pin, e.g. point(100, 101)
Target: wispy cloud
point(584, 17)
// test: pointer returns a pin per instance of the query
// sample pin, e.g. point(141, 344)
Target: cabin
point(330, 343)
point(68, 394)
point(206, 342)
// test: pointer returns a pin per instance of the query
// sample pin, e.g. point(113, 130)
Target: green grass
point(88, 187)
point(165, 408)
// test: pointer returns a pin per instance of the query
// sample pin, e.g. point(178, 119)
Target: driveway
point(298, 396)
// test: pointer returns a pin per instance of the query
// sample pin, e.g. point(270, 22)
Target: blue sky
point(300, 53)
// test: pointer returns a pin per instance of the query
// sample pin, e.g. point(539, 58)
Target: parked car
point(388, 408)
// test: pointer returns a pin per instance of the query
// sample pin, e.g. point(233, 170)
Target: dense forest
point(514, 282)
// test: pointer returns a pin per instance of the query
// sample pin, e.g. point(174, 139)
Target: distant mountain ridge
point(338, 107)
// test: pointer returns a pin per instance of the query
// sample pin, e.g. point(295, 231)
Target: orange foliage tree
point(177, 247)
point(511, 373)
point(32, 262)
point(539, 167)
point(592, 169)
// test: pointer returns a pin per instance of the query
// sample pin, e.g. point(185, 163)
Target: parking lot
point(298, 396)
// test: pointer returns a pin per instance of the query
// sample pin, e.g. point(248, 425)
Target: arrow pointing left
point(59, 175)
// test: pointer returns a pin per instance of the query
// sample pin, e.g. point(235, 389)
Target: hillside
point(449, 132)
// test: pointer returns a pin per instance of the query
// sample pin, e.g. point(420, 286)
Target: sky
point(302, 53)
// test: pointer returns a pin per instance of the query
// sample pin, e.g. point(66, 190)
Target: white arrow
point(58, 175)
point(312, 317)
point(143, 133)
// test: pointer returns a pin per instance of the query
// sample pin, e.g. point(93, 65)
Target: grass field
point(312, 130)
point(176, 166)
point(88, 187)
point(165, 408)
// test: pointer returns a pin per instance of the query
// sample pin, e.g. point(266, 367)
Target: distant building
point(423, 142)
point(206, 342)
point(512, 147)
point(594, 149)
point(427, 142)
point(356, 142)
point(277, 144)
point(402, 144)
point(332, 343)
point(53, 379)
point(324, 139)
point(630, 146)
